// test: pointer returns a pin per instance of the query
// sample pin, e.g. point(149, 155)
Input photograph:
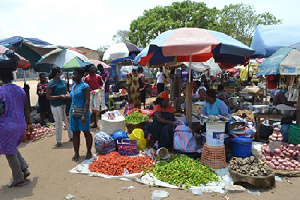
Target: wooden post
point(298, 111)
point(189, 95)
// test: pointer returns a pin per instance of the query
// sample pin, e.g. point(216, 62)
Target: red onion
point(285, 164)
point(283, 167)
point(267, 150)
point(291, 151)
point(268, 158)
point(292, 165)
point(276, 163)
point(277, 157)
point(274, 135)
point(288, 154)
point(291, 146)
point(280, 161)
point(277, 151)
point(277, 167)
point(298, 147)
point(271, 165)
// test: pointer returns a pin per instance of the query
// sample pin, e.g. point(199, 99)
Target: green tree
point(121, 36)
point(101, 50)
point(160, 19)
point(240, 21)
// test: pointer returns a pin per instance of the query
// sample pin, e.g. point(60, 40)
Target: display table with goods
point(266, 112)
point(39, 132)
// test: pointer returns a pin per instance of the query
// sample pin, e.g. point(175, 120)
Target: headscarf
point(164, 95)
point(9, 60)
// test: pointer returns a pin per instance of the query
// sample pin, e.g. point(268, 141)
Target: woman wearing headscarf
point(14, 116)
point(133, 87)
point(57, 94)
point(280, 97)
point(80, 95)
point(162, 127)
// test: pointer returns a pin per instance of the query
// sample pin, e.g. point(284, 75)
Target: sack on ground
point(184, 140)
point(104, 143)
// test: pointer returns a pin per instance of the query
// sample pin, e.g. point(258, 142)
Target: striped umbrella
point(120, 50)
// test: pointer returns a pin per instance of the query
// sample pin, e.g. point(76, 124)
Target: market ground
point(50, 178)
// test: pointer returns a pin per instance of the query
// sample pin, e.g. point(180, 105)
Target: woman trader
point(162, 127)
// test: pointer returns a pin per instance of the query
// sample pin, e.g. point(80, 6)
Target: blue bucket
point(241, 146)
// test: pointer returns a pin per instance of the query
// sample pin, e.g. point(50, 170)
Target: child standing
point(44, 103)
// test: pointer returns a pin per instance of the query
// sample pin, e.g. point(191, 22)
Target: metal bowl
point(263, 109)
point(285, 112)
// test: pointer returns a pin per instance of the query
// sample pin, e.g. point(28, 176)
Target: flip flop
point(75, 157)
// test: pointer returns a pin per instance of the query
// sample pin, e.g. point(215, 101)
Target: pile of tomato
point(114, 164)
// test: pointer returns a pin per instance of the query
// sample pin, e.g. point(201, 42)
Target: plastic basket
point(214, 157)
point(138, 134)
point(294, 134)
point(127, 147)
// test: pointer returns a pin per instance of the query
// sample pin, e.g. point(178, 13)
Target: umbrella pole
point(189, 95)
point(298, 110)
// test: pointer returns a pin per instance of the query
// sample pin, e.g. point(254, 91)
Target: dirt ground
point(50, 179)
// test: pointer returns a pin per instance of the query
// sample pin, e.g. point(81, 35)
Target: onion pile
point(38, 131)
point(276, 135)
point(282, 158)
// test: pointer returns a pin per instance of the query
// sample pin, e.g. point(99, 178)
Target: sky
point(92, 23)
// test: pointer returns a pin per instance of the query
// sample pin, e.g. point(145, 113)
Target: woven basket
point(294, 134)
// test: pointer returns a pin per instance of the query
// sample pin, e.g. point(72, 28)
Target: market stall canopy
point(204, 66)
point(30, 48)
point(179, 44)
point(120, 50)
point(64, 58)
point(97, 62)
point(284, 61)
point(267, 39)
point(23, 63)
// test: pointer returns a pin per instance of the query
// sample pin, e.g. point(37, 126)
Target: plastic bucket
point(241, 146)
point(234, 134)
point(215, 133)
point(138, 134)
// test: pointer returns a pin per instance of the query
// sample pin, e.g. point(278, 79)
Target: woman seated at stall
point(213, 105)
point(162, 127)
point(280, 97)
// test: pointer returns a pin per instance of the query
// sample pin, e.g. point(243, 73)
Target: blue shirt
point(218, 108)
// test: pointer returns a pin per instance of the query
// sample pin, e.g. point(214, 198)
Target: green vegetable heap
point(135, 118)
point(184, 171)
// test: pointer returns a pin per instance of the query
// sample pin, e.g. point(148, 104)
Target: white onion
point(291, 146)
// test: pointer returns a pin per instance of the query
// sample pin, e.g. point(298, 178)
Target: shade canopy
point(267, 39)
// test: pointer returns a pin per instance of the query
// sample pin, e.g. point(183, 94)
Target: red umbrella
point(23, 63)
point(97, 62)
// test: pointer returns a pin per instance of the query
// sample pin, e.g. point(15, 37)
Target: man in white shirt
point(160, 80)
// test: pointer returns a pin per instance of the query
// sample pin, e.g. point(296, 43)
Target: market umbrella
point(267, 39)
point(284, 61)
point(23, 63)
point(179, 44)
point(120, 50)
point(66, 59)
point(30, 48)
point(97, 62)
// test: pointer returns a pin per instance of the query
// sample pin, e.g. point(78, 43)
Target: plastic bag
point(104, 143)
point(119, 135)
point(138, 134)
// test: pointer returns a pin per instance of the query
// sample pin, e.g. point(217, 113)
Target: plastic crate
point(128, 147)
point(294, 134)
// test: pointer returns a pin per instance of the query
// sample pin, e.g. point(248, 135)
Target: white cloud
point(92, 23)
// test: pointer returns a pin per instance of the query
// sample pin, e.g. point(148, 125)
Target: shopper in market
point(106, 79)
point(133, 87)
point(95, 82)
point(14, 116)
point(57, 94)
point(80, 96)
point(280, 97)
point(222, 95)
point(162, 127)
point(160, 80)
point(142, 85)
point(44, 103)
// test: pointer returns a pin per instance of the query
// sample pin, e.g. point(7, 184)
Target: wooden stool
point(214, 157)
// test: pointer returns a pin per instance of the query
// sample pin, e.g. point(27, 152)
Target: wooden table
point(254, 98)
point(258, 116)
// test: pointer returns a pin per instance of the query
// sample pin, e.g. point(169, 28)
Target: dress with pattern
point(12, 121)
point(133, 82)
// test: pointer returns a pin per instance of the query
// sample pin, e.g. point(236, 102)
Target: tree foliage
point(101, 50)
point(121, 36)
point(240, 21)
point(160, 19)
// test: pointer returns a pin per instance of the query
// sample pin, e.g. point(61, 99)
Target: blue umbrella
point(267, 39)
point(284, 61)
point(30, 48)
